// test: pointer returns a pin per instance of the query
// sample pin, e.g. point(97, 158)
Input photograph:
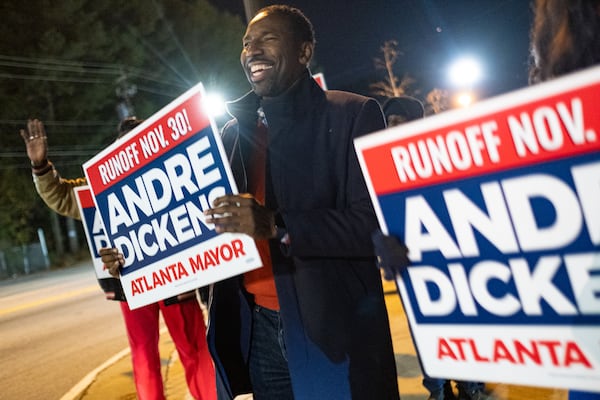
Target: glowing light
point(465, 72)
point(464, 99)
point(215, 104)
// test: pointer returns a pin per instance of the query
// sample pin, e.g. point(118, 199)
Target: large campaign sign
point(151, 188)
point(499, 206)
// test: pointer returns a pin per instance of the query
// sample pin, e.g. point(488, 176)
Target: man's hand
point(113, 260)
point(392, 254)
point(242, 214)
point(36, 142)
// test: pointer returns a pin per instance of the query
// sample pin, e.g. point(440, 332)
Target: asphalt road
point(55, 328)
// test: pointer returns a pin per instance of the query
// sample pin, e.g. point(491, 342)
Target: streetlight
point(464, 99)
point(464, 73)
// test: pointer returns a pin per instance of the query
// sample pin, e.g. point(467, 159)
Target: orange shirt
point(260, 282)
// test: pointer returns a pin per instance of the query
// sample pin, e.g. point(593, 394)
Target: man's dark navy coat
point(331, 300)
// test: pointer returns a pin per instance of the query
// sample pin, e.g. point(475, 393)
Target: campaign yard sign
point(499, 206)
point(93, 229)
point(151, 188)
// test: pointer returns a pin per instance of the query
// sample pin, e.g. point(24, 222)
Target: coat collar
point(297, 101)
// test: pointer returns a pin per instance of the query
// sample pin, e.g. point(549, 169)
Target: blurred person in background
point(401, 109)
point(565, 37)
point(182, 314)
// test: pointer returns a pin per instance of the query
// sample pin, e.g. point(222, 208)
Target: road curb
point(76, 391)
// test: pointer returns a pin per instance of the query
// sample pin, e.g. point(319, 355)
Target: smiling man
point(312, 322)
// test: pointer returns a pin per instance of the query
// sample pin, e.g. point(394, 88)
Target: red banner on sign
point(529, 133)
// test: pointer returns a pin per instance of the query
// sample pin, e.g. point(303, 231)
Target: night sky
point(430, 33)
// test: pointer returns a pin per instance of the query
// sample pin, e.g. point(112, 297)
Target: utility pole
point(54, 221)
point(252, 6)
point(125, 91)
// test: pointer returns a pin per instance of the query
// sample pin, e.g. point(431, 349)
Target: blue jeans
point(576, 395)
point(435, 386)
point(268, 361)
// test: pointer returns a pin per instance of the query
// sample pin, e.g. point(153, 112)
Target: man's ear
point(306, 53)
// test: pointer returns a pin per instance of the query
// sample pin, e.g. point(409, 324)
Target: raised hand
point(36, 142)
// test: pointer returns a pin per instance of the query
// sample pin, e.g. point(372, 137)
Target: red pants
point(185, 323)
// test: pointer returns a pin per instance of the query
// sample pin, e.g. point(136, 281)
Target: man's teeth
point(259, 67)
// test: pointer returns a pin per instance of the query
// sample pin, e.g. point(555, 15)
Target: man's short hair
point(127, 124)
point(300, 24)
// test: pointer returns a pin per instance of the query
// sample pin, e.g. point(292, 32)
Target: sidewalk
point(115, 380)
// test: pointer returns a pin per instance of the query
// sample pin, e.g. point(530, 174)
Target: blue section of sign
point(89, 214)
point(157, 211)
point(500, 282)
